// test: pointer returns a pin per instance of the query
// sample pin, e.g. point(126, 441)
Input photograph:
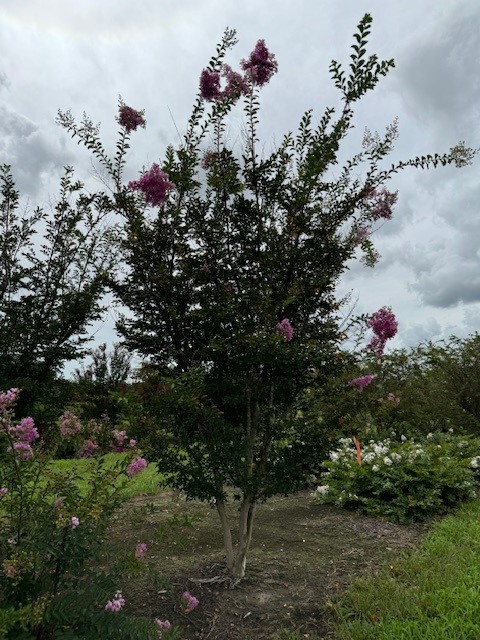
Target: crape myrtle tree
point(233, 258)
point(53, 273)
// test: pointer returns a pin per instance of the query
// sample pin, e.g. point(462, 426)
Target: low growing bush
point(54, 581)
point(402, 479)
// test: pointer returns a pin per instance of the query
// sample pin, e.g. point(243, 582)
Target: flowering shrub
point(50, 535)
point(205, 286)
point(402, 479)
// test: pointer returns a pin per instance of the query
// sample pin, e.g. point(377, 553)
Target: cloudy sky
point(82, 55)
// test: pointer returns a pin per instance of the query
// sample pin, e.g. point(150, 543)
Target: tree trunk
point(245, 529)
point(236, 562)
point(227, 535)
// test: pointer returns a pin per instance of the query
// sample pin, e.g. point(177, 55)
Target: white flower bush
point(400, 478)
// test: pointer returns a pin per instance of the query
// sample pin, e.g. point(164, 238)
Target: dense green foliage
point(431, 387)
point(401, 479)
point(53, 272)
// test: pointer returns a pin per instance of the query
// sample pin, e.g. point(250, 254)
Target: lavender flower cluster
point(20, 435)
point(258, 70)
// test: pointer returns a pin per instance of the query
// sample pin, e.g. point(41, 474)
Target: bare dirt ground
point(302, 554)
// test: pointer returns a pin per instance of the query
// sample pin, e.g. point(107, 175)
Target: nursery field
point(303, 554)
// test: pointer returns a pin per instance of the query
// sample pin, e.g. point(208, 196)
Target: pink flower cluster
point(154, 185)
point(361, 234)
point(140, 550)
point(74, 522)
point(137, 465)
point(7, 398)
point(163, 624)
point(362, 382)
point(23, 435)
point(384, 326)
point(261, 65)
point(116, 604)
point(120, 437)
point(210, 84)
point(259, 68)
point(192, 602)
point(87, 449)
point(20, 435)
point(3, 491)
point(69, 424)
point(390, 398)
point(382, 203)
point(285, 328)
point(130, 119)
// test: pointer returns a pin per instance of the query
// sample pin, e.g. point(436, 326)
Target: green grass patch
point(147, 482)
point(431, 594)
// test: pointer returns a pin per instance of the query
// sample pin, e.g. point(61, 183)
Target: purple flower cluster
point(130, 119)
point(192, 602)
point(384, 326)
point(163, 624)
point(7, 398)
point(3, 491)
point(116, 604)
point(362, 382)
point(261, 65)
point(74, 522)
point(382, 203)
point(20, 435)
point(259, 68)
point(87, 449)
point(69, 424)
point(154, 184)
point(119, 437)
point(361, 234)
point(140, 550)
point(137, 465)
point(210, 85)
point(285, 328)
point(236, 85)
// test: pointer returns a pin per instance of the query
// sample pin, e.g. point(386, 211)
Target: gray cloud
point(29, 152)
point(438, 72)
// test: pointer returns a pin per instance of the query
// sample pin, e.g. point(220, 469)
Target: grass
point(147, 482)
point(432, 594)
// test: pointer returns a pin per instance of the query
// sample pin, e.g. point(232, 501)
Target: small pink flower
point(261, 65)
point(192, 602)
point(285, 328)
point(116, 604)
point(137, 465)
point(87, 450)
point(140, 550)
point(163, 624)
point(23, 449)
point(384, 326)
point(9, 397)
point(362, 382)
point(69, 424)
point(3, 491)
point(132, 443)
point(210, 85)
point(155, 186)
point(74, 522)
point(130, 119)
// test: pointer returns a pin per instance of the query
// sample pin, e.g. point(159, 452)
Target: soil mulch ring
point(301, 554)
